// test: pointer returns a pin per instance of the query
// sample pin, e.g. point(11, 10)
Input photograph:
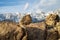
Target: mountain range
point(36, 16)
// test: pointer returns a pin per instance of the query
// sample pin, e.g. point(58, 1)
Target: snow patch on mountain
point(36, 16)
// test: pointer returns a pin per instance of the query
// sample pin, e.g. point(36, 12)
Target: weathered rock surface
point(10, 31)
point(58, 29)
point(36, 31)
point(26, 20)
point(52, 19)
point(52, 34)
point(46, 30)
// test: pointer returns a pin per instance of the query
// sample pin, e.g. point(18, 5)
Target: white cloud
point(47, 2)
point(43, 3)
point(26, 6)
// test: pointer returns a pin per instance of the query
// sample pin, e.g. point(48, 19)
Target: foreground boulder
point(36, 31)
point(52, 34)
point(10, 31)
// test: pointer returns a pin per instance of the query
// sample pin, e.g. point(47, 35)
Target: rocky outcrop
point(10, 31)
point(58, 29)
point(36, 31)
point(26, 20)
point(47, 29)
point(52, 32)
point(26, 30)
point(51, 19)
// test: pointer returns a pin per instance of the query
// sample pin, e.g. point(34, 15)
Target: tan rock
point(25, 37)
point(52, 34)
point(10, 31)
point(51, 19)
point(58, 28)
point(36, 31)
point(25, 30)
point(51, 23)
point(26, 20)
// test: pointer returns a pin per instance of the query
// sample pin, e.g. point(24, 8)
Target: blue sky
point(28, 5)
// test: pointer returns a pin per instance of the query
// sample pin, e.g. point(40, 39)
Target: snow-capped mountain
point(17, 16)
point(9, 16)
point(36, 16)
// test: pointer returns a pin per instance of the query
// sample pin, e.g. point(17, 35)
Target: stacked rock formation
point(26, 30)
point(52, 32)
point(47, 29)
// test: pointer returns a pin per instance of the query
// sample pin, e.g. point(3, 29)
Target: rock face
point(58, 29)
point(52, 34)
point(46, 30)
point(52, 19)
point(26, 20)
point(10, 31)
point(36, 31)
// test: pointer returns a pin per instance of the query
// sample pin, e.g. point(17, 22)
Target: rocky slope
point(49, 29)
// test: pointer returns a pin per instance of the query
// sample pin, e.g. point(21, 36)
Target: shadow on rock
point(35, 33)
